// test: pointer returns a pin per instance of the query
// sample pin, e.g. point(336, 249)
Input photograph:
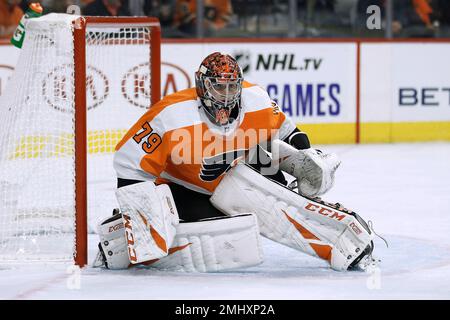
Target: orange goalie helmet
point(219, 87)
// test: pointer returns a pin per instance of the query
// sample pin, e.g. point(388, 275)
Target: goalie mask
point(219, 87)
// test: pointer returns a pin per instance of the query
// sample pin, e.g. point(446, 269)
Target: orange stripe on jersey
point(246, 84)
point(184, 95)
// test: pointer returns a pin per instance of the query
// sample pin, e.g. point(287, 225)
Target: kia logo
point(58, 88)
point(173, 79)
point(136, 85)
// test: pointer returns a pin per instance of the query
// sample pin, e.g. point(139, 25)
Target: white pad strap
point(214, 245)
point(288, 218)
point(150, 218)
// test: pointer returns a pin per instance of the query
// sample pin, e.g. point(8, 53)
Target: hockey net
point(79, 84)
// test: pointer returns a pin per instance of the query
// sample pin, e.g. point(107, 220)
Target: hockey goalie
point(200, 179)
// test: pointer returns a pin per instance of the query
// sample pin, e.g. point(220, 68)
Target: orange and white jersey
point(174, 141)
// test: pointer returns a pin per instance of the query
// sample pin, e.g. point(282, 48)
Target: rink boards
point(338, 91)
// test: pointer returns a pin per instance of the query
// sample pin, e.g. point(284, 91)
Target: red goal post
point(80, 27)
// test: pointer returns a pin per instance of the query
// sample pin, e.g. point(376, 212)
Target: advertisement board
point(313, 83)
point(403, 87)
point(405, 92)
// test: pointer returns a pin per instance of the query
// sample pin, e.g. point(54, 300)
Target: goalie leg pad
point(212, 245)
point(150, 219)
point(288, 218)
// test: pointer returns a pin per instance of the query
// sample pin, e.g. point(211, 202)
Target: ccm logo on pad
point(325, 211)
point(130, 239)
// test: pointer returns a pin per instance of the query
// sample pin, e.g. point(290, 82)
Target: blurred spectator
point(443, 11)
point(162, 9)
point(10, 15)
point(217, 15)
point(411, 18)
point(320, 5)
point(315, 6)
point(58, 5)
point(424, 11)
point(136, 7)
point(415, 15)
point(324, 9)
point(107, 8)
point(165, 11)
point(184, 16)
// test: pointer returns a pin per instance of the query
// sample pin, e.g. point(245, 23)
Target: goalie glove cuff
point(313, 169)
point(319, 169)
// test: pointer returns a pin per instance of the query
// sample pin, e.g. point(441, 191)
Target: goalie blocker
point(309, 225)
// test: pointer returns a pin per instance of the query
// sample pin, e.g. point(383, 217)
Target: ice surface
point(403, 188)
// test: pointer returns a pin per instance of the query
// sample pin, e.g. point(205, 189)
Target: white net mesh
point(37, 199)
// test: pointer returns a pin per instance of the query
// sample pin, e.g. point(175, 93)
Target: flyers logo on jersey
point(213, 167)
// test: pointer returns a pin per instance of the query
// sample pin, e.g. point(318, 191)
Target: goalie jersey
point(174, 141)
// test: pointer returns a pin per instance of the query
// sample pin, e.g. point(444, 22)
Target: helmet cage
point(223, 90)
